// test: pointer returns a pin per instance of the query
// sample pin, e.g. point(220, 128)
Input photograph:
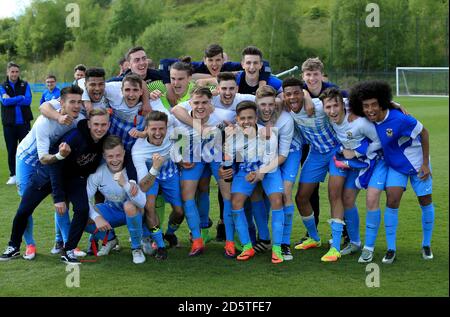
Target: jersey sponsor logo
point(389, 132)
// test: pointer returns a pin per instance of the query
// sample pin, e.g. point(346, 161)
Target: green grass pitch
point(213, 275)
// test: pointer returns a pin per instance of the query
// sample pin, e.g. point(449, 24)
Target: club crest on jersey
point(389, 132)
point(349, 135)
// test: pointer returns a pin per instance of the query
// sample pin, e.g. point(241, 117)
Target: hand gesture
point(424, 172)
point(64, 149)
point(65, 119)
point(158, 161)
point(155, 94)
point(348, 154)
point(120, 178)
point(60, 208)
point(102, 224)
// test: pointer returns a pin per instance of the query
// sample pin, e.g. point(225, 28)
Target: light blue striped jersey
point(316, 130)
point(142, 153)
point(44, 133)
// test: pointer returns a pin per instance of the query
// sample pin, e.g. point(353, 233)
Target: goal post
point(422, 81)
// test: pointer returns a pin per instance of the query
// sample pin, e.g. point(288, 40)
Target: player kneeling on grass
point(256, 150)
point(405, 143)
point(124, 201)
point(156, 171)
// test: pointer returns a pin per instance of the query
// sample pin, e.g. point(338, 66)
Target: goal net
point(422, 81)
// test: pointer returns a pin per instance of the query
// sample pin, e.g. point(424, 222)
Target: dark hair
point(156, 116)
point(122, 60)
point(365, 90)
point(224, 76)
point(111, 141)
point(74, 89)
point(244, 105)
point(331, 93)
point(95, 72)
point(134, 79)
point(292, 82)
point(50, 76)
point(213, 50)
point(252, 50)
point(182, 66)
point(80, 67)
point(12, 64)
point(202, 91)
point(185, 59)
point(133, 50)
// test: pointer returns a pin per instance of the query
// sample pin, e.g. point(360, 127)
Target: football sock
point(390, 224)
point(427, 224)
point(192, 218)
point(373, 220)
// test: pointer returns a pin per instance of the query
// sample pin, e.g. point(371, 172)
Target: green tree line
point(411, 33)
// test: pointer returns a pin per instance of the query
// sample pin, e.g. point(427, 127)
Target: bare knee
point(425, 200)
point(276, 201)
point(130, 209)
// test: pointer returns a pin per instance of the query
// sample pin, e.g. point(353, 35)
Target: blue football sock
point(267, 205)
point(63, 223)
point(251, 224)
point(172, 228)
point(427, 224)
point(145, 230)
point(192, 218)
point(277, 226)
point(28, 233)
point(336, 232)
point(310, 225)
point(241, 225)
point(134, 225)
point(157, 236)
point(261, 218)
point(203, 209)
point(373, 220)
point(390, 224)
point(287, 228)
point(351, 219)
point(228, 220)
point(58, 236)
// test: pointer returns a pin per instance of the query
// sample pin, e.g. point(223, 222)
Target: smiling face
point(179, 79)
point(50, 83)
point(334, 109)
point(98, 126)
point(246, 118)
point(132, 93)
point(71, 105)
point(201, 106)
point(79, 74)
point(114, 158)
point(252, 65)
point(266, 107)
point(13, 73)
point(373, 111)
point(156, 132)
point(96, 88)
point(227, 91)
point(313, 79)
point(139, 63)
point(214, 64)
point(293, 98)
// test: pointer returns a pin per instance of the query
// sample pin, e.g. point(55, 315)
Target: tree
point(163, 39)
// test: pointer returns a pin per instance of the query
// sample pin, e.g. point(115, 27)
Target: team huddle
point(119, 150)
